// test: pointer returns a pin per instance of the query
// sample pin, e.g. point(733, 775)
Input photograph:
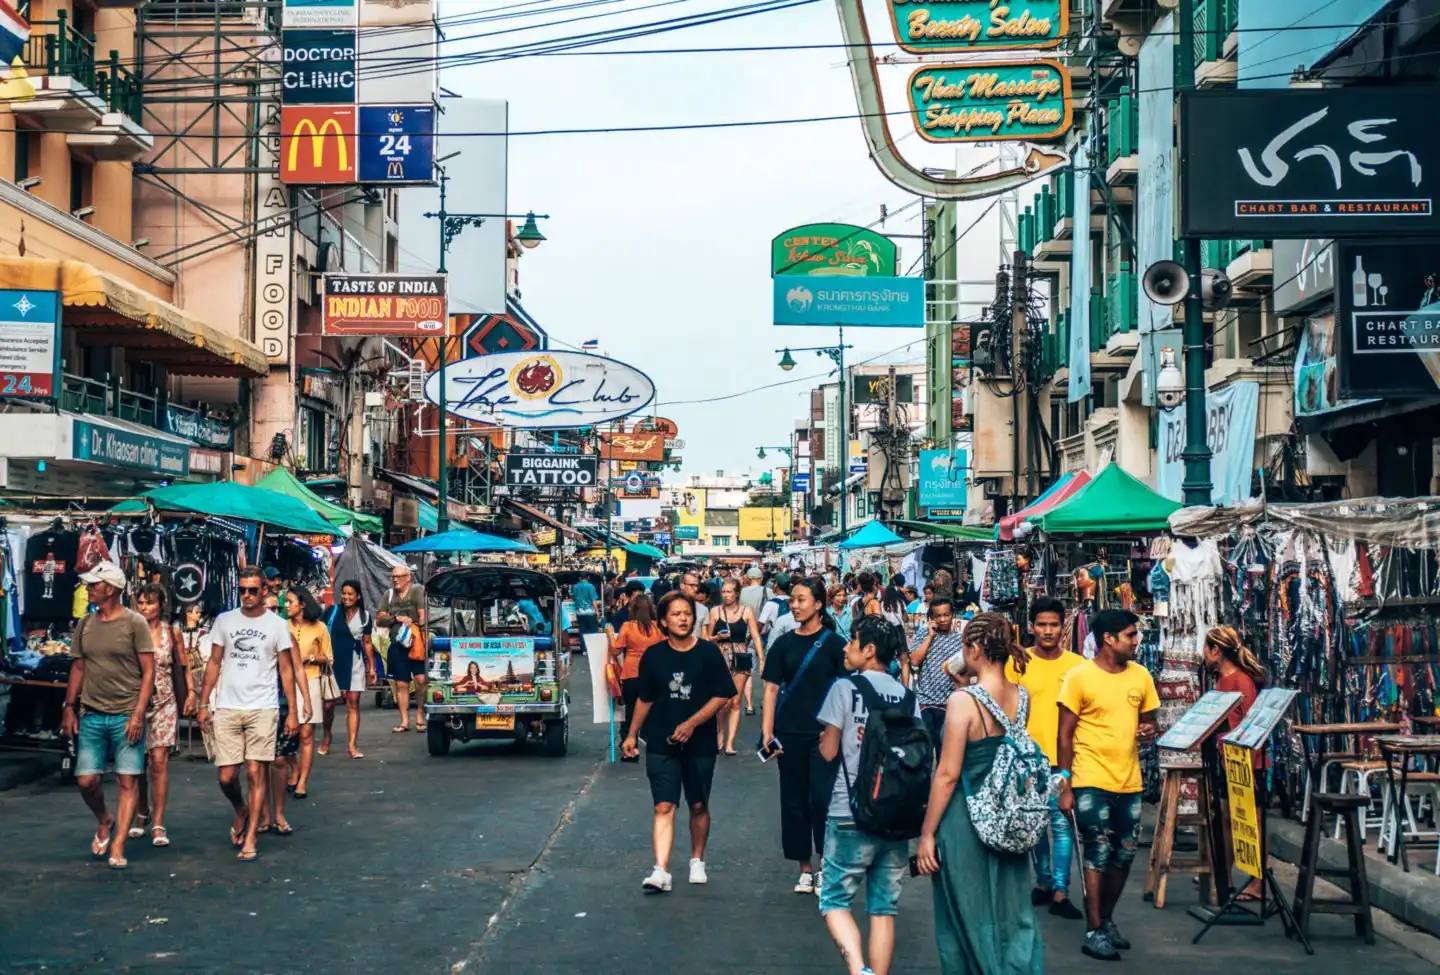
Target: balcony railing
point(60, 50)
point(1214, 21)
point(1122, 302)
point(1122, 125)
point(110, 398)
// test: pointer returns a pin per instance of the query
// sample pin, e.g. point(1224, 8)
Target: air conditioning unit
point(415, 380)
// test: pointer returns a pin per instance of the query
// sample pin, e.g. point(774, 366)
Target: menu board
point(1269, 707)
point(1196, 724)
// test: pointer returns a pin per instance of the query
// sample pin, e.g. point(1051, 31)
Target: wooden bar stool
point(1348, 809)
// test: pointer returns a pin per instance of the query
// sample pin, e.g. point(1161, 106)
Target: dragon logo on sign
point(534, 378)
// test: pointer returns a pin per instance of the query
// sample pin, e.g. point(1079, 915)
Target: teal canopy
point(226, 499)
point(283, 481)
point(465, 540)
point(429, 516)
point(647, 551)
point(873, 535)
point(960, 533)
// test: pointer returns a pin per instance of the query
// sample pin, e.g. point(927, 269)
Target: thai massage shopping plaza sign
point(1022, 101)
point(972, 25)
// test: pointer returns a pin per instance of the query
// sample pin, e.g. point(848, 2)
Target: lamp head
point(760, 453)
point(786, 361)
point(529, 235)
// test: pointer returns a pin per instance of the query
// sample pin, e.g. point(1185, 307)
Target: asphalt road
point(493, 860)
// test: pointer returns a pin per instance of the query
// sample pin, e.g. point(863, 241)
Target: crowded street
point(494, 860)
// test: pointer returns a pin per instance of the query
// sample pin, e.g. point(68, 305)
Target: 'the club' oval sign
point(541, 390)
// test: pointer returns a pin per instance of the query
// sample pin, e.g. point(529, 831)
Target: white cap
point(107, 572)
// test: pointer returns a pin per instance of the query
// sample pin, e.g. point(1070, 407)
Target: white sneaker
point(806, 883)
point(658, 882)
point(697, 872)
point(819, 875)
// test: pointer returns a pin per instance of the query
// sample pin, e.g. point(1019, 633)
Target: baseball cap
point(783, 580)
point(107, 572)
point(754, 573)
point(271, 572)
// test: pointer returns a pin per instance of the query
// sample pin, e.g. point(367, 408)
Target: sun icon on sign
point(396, 116)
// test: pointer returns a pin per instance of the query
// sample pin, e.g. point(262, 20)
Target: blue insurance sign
point(397, 144)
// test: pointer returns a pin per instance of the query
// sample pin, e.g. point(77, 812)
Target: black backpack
point(891, 788)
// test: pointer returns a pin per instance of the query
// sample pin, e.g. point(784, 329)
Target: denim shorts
point(1109, 825)
point(852, 855)
point(102, 740)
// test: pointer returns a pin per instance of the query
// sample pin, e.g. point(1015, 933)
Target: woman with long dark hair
point(984, 920)
point(172, 697)
point(350, 640)
point(892, 605)
point(683, 683)
point(799, 669)
point(1235, 668)
point(312, 639)
point(627, 648)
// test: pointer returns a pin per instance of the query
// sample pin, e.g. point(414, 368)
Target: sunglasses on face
point(250, 590)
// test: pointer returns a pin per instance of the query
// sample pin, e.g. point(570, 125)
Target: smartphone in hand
point(768, 750)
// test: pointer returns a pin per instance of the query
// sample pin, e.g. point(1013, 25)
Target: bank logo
point(317, 145)
point(799, 298)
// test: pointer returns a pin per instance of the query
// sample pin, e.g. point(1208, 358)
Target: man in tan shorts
point(251, 664)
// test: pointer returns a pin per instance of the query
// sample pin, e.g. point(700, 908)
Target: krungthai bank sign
point(317, 144)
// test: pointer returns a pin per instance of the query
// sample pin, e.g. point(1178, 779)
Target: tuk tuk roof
point(568, 577)
point(489, 582)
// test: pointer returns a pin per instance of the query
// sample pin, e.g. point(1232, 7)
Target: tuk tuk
point(572, 639)
point(498, 669)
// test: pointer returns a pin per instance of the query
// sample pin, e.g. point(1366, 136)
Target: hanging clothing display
point(1195, 574)
point(50, 575)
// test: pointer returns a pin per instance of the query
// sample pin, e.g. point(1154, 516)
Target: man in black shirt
point(684, 682)
point(800, 667)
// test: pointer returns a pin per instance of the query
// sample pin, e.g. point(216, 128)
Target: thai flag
point(14, 34)
point(590, 345)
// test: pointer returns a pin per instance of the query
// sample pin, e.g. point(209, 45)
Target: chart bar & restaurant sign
point(410, 305)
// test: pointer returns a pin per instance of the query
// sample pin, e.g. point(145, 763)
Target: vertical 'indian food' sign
point(1022, 101)
point(937, 26)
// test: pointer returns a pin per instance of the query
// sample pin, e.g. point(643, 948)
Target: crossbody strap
point(784, 694)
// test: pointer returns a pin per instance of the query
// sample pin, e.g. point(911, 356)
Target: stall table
point(1316, 758)
point(1401, 749)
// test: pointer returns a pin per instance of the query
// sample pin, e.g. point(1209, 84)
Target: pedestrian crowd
point(262, 681)
point(949, 751)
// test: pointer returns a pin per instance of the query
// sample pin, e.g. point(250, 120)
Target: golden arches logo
point(317, 143)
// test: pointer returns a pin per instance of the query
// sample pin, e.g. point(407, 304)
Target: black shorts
point(399, 666)
point(668, 774)
point(740, 661)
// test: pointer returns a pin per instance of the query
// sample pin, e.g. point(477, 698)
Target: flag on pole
point(14, 34)
point(590, 345)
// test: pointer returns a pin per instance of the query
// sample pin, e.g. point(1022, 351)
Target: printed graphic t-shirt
point(677, 685)
point(1109, 708)
point(50, 575)
point(249, 672)
point(844, 708)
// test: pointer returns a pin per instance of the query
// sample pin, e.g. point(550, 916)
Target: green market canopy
point(226, 499)
point(285, 482)
point(960, 533)
point(1113, 503)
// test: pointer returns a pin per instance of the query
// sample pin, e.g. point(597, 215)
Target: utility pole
point(1196, 488)
point(1019, 323)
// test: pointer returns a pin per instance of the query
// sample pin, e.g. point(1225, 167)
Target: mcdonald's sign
point(317, 144)
point(397, 144)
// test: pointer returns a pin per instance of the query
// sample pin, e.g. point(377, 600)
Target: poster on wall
point(29, 343)
point(1317, 369)
point(1387, 300)
point(1231, 416)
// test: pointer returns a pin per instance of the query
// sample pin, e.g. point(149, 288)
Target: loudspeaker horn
point(1165, 283)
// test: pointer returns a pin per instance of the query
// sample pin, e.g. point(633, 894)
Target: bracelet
point(1065, 774)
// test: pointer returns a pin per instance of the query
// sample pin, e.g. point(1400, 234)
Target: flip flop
point(159, 836)
point(301, 795)
point(237, 836)
point(248, 856)
point(98, 847)
point(118, 863)
point(322, 751)
point(284, 829)
point(357, 754)
point(420, 728)
point(137, 827)
point(731, 751)
point(400, 730)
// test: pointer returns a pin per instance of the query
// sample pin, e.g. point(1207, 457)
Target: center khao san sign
point(837, 249)
point(931, 27)
point(1010, 100)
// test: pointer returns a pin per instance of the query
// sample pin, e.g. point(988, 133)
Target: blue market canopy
point(465, 540)
point(873, 535)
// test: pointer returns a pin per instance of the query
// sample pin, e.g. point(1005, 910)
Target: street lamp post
point(451, 225)
point(836, 354)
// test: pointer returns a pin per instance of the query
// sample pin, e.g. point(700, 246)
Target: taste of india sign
point(934, 26)
point(1022, 101)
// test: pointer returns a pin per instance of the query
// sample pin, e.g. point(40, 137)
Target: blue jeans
point(101, 739)
point(852, 855)
point(934, 721)
point(1052, 855)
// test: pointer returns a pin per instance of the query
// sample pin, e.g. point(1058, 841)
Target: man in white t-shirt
point(251, 663)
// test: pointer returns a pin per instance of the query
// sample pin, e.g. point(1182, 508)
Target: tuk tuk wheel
point(557, 737)
point(437, 736)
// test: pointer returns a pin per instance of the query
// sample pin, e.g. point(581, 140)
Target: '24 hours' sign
point(397, 143)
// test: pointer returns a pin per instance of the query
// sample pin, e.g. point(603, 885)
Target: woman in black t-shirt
point(684, 683)
point(799, 670)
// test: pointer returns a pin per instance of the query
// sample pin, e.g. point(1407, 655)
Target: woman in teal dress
point(984, 922)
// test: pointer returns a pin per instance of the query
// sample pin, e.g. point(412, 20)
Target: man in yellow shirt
point(1106, 706)
point(1044, 674)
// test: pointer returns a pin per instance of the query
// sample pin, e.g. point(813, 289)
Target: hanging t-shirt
point(50, 575)
point(677, 685)
point(251, 646)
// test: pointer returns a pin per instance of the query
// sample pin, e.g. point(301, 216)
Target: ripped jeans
point(1051, 856)
point(1109, 825)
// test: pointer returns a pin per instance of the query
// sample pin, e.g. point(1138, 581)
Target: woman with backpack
point(978, 829)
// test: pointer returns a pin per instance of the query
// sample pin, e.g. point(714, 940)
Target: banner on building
point(525, 468)
point(1317, 369)
point(834, 250)
point(272, 274)
point(197, 428)
point(317, 144)
point(764, 524)
point(105, 444)
point(319, 13)
point(799, 483)
point(386, 13)
point(1080, 283)
point(945, 26)
point(1312, 162)
point(397, 144)
point(882, 302)
point(687, 533)
point(1387, 301)
point(942, 479)
point(1155, 220)
point(547, 390)
point(30, 344)
point(1304, 273)
point(1016, 101)
point(633, 446)
point(409, 305)
point(876, 389)
point(318, 67)
point(1231, 415)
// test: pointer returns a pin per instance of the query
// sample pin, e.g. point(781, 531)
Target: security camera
point(1215, 289)
point(1169, 384)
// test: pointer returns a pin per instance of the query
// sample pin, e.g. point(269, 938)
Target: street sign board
point(318, 67)
point(833, 250)
point(633, 446)
point(397, 143)
point(317, 144)
point(410, 305)
point(881, 302)
point(29, 343)
point(537, 469)
point(799, 483)
point(1387, 318)
point(1025, 101)
point(319, 13)
point(933, 26)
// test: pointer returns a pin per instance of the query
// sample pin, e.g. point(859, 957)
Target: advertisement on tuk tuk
point(492, 670)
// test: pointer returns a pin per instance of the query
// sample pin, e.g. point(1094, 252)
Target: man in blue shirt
point(586, 599)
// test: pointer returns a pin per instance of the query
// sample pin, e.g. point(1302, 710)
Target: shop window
point(81, 184)
point(23, 147)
